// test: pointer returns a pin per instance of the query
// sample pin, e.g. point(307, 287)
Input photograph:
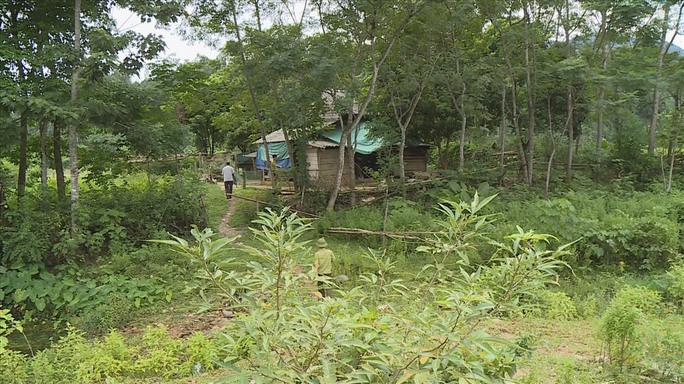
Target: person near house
point(228, 179)
point(323, 261)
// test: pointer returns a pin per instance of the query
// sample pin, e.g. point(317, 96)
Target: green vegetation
point(522, 222)
point(446, 308)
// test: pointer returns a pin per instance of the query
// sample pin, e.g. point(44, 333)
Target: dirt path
point(225, 229)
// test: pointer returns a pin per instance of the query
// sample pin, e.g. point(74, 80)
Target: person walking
point(228, 179)
point(323, 261)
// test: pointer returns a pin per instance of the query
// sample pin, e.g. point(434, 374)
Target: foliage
point(245, 211)
point(620, 324)
point(58, 296)
point(664, 349)
point(74, 359)
point(373, 331)
point(675, 282)
point(555, 306)
point(619, 332)
point(112, 220)
point(633, 229)
point(115, 313)
point(7, 326)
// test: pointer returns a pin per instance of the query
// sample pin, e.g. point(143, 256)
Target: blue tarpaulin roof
point(360, 138)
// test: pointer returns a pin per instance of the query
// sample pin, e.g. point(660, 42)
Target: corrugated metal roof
point(279, 137)
point(273, 137)
point(322, 144)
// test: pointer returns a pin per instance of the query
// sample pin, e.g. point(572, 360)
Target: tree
point(665, 45)
point(370, 30)
point(618, 21)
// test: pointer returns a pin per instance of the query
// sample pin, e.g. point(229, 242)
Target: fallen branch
point(401, 234)
point(272, 205)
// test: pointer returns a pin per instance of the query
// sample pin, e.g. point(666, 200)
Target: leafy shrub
point(158, 262)
point(644, 299)
point(675, 282)
point(115, 312)
point(160, 354)
point(74, 359)
point(664, 349)
point(70, 292)
point(620, 325)
point(14, 368)
point(111, 220)
point(556, 305)
point(380, 330)
point(587, 307)
point(406, 215)
point(7, 326)
point(31, 230)
point(620, 334)
point(199, 355)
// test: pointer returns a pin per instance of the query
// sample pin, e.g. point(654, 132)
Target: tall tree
point(665, 45)
point(371, 30)
point(73, 135)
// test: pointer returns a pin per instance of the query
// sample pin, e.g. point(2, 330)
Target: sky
point(176, 46)
point(183, 50)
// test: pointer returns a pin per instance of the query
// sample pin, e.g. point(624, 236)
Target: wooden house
point(322, 155)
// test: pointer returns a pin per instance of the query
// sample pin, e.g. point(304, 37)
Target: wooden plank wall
point(415, 159)
point(323, 164)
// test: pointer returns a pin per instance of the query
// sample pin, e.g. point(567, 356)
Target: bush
point(644, 299)
point(620, 325)
point(555, 305)
point(71, 292)
point(115, 313)
point(111, 220)
point(675, 282)
point(73, 359)
point(620, 334)
point(664, 349)
point(386, 329)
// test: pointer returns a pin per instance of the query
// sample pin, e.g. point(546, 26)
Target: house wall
point(322, 165)
point(312, 162)
point(415, 159)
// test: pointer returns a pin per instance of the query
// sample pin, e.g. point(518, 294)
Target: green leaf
point(40, 304)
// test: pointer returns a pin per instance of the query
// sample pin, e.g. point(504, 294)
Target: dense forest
point(542, 244)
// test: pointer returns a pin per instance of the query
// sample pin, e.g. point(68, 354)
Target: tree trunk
point(461, 145)
point(570, 127)
point(403, 120)
point(252, 93)
point(600, 97)
point(657, 93)
point(516, 123)
point(553, 151)
point(530, 75)
point(57, 153)
point(502, 127)
point(377, 63)
point(673, 141)
point(42, 127)
point(351, 163)
point(23, 148)
point(294, 166)
point(73, 135)
point(340, 169)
